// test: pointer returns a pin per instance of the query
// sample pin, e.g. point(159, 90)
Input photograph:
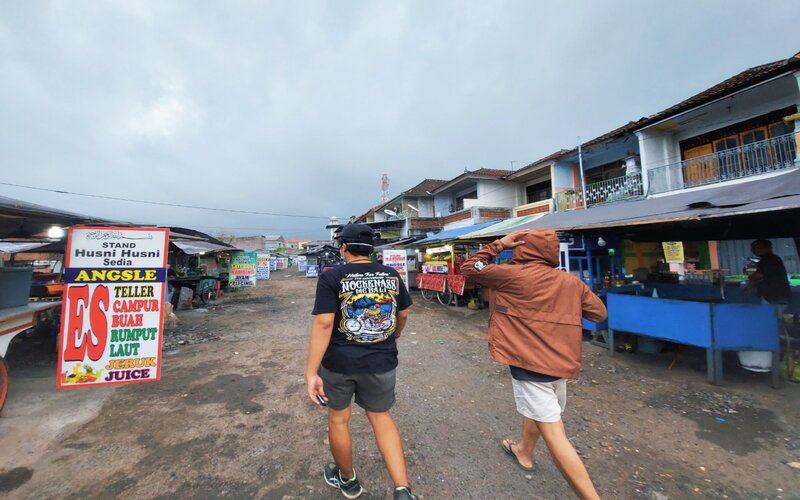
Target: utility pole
point(580, 170)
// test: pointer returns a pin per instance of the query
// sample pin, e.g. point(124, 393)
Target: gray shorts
point(374, 391)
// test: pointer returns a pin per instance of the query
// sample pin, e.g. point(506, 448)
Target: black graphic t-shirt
point(365, 299)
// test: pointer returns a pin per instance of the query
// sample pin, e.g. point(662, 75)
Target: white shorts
point(540, 401)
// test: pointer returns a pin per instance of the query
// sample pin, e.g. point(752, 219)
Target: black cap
point(355, 234)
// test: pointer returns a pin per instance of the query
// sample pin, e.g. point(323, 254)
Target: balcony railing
point(756, 158)
point(626, 187)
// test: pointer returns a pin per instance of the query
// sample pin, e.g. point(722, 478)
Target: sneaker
point(350, 489)
point(404, 493)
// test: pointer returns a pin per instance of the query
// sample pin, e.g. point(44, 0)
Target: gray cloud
point(299, 107)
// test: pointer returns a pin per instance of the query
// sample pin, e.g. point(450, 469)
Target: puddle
point(726, 420)
point(12, 479)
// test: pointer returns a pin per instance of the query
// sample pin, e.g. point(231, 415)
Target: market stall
point(699, 316)
point(668, 286)
point(25, 228)
point(199, 266)
point(320, 259)
point(440, 257)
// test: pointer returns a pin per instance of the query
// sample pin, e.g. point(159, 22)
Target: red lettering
point(92, 341)
point(78, 297)
point(99, 322)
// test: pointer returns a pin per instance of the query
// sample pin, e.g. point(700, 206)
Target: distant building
point(297, 244)
point(274, 242)
point(262, 243)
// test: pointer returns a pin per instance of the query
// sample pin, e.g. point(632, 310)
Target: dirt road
point(230, 419)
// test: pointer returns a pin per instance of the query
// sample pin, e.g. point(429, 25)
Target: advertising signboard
point(262, 266)
point(397, 259)
point(243, 270)
point(673, 252)
point(112, 314)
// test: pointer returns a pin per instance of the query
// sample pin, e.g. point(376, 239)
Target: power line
point(162, 203)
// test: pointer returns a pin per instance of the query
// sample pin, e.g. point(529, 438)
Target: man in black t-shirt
point(359, 312)
point(770, 277)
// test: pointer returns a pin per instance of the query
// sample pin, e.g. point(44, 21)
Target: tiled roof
point(735, 83)
point(363, 217)
point(423, 187)
point(471, 174)
point(547, 158)
point(738, 82)
point(492, 172)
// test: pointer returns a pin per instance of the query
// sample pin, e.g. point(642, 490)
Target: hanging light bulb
point(55, 233)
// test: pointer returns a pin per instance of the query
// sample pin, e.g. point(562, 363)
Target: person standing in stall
point(769, 279)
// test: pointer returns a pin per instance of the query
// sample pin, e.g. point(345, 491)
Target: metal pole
point(580, 168)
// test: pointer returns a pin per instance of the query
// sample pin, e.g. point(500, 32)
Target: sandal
point(507, 445)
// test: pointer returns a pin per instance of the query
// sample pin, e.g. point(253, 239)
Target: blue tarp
point(452, 234)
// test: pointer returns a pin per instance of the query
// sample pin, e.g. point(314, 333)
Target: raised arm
point(478, 269)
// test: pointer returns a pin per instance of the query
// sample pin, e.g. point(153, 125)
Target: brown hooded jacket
point(535, 309)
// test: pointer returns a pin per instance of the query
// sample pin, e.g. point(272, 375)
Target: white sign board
point(262, 266)
point(398, 260)
point(112, 315)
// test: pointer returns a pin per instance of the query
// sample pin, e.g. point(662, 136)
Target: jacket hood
point(541, 246)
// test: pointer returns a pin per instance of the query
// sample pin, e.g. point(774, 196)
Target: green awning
point(503, 227)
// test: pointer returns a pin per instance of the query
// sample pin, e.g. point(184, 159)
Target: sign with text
point(243, 270)
point(262, 266)
point(112, 314)
point(282, 263)
point(312, 271)
point(302, 263)
point(398, 260)
point(673, 251)
point(273, 263)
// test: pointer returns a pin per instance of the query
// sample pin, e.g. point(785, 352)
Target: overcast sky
point(299, 107)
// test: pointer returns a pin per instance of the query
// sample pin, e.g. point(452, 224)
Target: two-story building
point(415, 207)
point(744, 129)
point(737, 130)
point(475, 196)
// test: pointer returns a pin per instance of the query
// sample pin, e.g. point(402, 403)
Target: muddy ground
point(230, 418)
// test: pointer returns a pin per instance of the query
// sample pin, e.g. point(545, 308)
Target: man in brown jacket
point(535, 314)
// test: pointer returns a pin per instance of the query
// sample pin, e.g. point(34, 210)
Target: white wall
point(425, 206)
point(460, 223)
point(497, 194)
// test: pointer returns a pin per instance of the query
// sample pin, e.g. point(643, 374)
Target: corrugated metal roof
point(18, 246)
point(197, 247)
point(503, 227)
point(452, 234)
point(780, 192)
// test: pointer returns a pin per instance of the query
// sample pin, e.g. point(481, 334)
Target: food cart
point(18, 314)
point(440, 257)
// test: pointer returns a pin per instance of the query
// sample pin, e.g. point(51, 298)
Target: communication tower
point(385, 188)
